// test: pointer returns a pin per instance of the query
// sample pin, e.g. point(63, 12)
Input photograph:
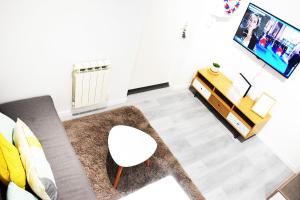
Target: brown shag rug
point(88, 135)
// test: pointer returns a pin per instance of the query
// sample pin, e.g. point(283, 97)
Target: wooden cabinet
point(215, 88)
point(238, 124)
point(219, 105)
point(199, 86)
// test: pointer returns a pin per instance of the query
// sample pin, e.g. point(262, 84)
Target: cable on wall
point(258, 73)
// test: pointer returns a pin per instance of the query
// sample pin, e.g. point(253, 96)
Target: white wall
point(212, 40)
point(41, 40)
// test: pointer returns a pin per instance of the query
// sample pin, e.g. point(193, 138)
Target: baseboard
point(87, 109)
point(68, 115)
point(65, 115)
point(180, 86)
point(147, 88)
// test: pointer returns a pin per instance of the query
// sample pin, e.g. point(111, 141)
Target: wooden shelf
point(215, 88)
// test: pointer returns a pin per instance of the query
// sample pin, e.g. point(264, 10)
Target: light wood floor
point(222, 167)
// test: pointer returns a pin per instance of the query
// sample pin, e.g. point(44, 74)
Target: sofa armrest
point(29, 109)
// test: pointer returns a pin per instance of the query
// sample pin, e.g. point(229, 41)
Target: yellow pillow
point(11, 168)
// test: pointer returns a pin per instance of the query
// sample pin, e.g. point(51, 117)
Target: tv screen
point(269, 38)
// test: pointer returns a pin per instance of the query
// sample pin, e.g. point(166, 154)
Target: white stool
point(128, 147)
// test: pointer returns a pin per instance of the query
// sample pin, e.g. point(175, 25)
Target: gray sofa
point(40, 115)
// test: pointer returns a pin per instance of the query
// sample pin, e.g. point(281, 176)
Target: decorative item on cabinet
point(215, 68)
point(263, 105)
point(240, 88)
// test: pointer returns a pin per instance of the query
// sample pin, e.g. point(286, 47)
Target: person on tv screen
point(249, 33)
point(292, 63)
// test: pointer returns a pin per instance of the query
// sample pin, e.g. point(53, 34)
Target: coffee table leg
point(117, 179)
point(148, 162)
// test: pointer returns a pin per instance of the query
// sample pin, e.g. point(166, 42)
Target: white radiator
point(89, 89)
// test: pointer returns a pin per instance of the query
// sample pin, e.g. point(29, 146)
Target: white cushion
point(14, 192)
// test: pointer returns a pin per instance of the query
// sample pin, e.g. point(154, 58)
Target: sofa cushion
point(38, 170)
point(40, 115)
point(11, 168)
point(6, 127)
point(14, 193)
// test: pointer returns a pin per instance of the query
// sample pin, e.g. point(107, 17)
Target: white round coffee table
point(128, 147)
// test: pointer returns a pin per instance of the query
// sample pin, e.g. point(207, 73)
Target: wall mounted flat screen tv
point(270, 39)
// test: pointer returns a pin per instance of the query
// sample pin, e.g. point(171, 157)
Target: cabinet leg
point(235, 135)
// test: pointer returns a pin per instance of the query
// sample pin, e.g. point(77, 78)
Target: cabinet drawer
point(201, 88)
point(218, 105)
point(237, 124)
